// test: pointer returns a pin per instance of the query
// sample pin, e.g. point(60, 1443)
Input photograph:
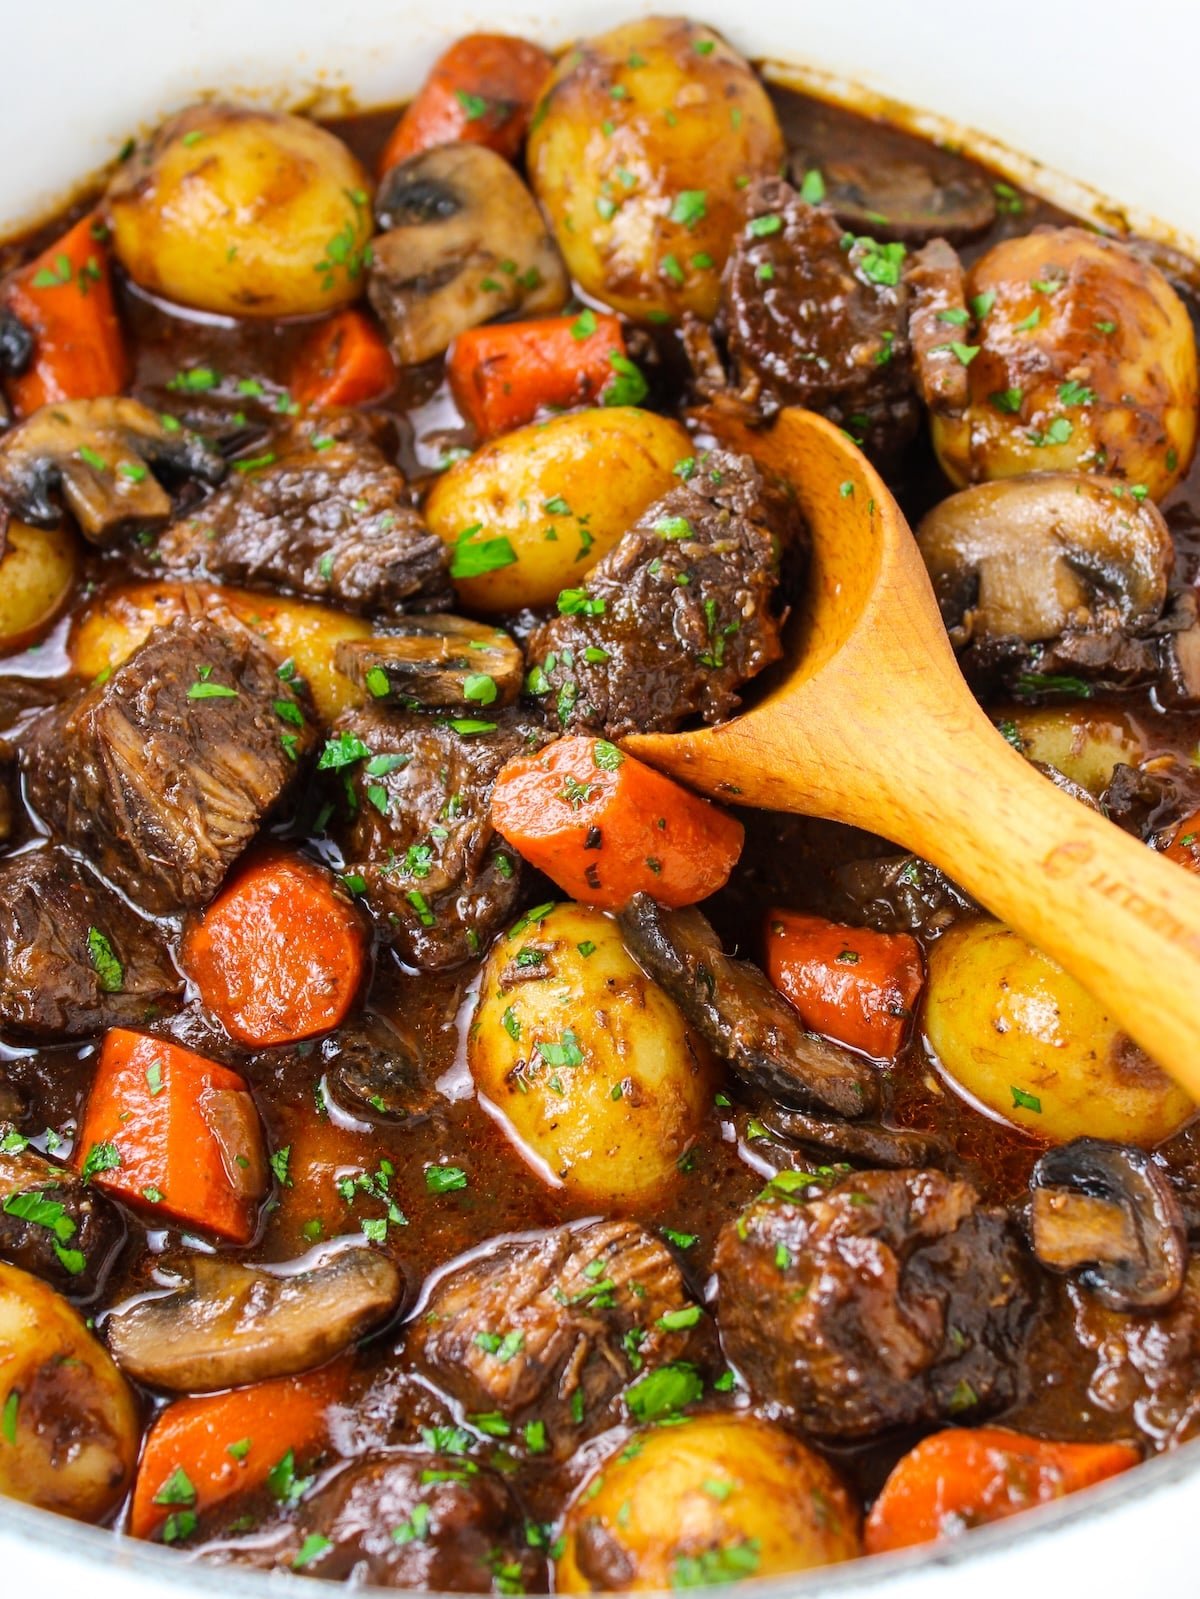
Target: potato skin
point(1107, 322)
point(247, 213)
point(74, 1420)
point(600, 1011)
point(1008, 1025)
point(633, 125)
point(606, 464)
point(38, 567)
point(1084, 744)
point(714, 1497)
point(122, 619)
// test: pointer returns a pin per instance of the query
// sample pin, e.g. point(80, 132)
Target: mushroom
point(1053, 556)
point(1179, 682)
point(436, 662)
point(895, 198)
point(741, 1016)
point(867, 1141)
point(228, 1324)
point(94, 453)
point(1109, 1212)
point(464, 242)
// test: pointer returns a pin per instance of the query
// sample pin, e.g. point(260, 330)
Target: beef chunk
point(893, 1298)
point(676, 617)
point(418, 829)
point(1147, 1363)
point(407, 1519)
point(815, 317)
point(937, 283)
point(325, 515)
point(163, 773)
point(74, 959)
point(53, 1225)
point(552, 1327)
point(741, 1015)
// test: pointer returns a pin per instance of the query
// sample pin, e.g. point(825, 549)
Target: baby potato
point(1031, 1046)
point(1084, 744)
point(588, 1063)
point(711, 1500)
point(534, 511)
point(640, 149)
point(37, 575)
point(247, 213)
point(120, 621)
point(1087, 361)
point(69, 1434)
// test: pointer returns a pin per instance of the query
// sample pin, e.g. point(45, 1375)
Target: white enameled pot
point(1102, 91)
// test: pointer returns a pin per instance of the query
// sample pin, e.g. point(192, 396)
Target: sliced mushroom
point(229, 1324)
point(464, 242)
point(876, 1145)
point(741, 1016)
point(375, 1070)
point(937, 316)
point(893, 198)
point(1051, 556)
point(1179, 682)
point(1108, 1212)
point(96, 455)
point(436, 662)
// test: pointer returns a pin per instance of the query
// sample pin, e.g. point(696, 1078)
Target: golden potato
point(1086, 361)
point(587, 1061)
point(1030, 1045)
point(37, 576)
point(112, 626)
point(714, 1499)
point(1084, 744)
point(248, 213)
point(639, 151)
point(534, 511)
point(68, 1422)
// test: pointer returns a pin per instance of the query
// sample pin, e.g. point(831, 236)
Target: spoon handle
point(1115, 914)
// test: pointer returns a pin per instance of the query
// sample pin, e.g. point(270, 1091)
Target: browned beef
point(416, 824)
point(55, 1225)
point(816, 318)
point(74, 959)
point(319, 510)
point(553, 1327)
point(893, 1298)
point(677, 617)
point(163, 773)
point(406, 1519)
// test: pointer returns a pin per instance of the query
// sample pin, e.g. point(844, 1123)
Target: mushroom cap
point(1109, 1212)
point(1032, 557)
point(464, 242)
point(95, 455)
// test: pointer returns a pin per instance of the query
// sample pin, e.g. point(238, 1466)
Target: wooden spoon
point(875, 726)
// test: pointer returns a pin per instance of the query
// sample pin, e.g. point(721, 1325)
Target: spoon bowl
point(873, 724)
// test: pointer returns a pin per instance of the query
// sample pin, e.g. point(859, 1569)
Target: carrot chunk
point(64, 297)
point(344, 361)
point(280, 953)
point(503, 374)
point(1185, 846)
point(964, 1477)
point(201, 1451)
point(174, 1135)
point(605, 827)
point(481, 91)
point(850, 983)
